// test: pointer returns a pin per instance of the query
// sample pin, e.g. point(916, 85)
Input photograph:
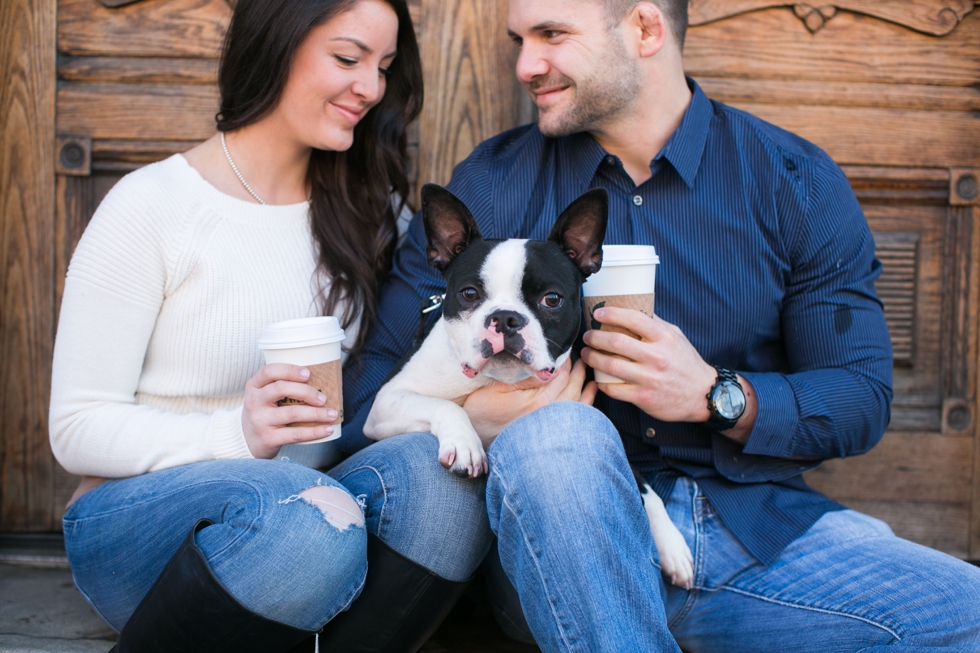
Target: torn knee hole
point(338, 508)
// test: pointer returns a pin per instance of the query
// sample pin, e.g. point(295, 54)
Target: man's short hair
point(675, 12)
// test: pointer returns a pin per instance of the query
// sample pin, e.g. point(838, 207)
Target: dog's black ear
point(449, 225)
point(581, 228)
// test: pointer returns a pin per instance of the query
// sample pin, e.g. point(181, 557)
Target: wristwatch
point(726, 401)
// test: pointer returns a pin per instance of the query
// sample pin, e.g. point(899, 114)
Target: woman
point(200, 542)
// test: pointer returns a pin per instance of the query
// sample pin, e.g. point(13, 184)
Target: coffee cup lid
point(304, 332)
point(618, 255)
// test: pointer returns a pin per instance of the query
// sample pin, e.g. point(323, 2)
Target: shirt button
point(637, 200)
point(651, 433)
point(611, 160)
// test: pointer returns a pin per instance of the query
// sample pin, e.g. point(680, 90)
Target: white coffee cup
point(314, 343)
point(626, 280)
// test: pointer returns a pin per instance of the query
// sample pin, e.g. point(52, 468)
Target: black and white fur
point(512, 310)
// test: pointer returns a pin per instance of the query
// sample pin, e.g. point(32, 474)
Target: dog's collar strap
point(432, 303)
point(429, 304)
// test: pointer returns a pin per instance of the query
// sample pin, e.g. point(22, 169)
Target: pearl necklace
point(234, 168)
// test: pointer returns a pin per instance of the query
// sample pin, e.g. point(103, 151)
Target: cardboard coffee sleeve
point(328, 379)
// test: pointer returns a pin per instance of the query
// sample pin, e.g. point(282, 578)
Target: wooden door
point(90, 89)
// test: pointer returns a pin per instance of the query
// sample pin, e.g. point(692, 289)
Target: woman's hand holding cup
point(267, 425)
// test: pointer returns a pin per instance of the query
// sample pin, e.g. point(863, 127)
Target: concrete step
point(41, 611)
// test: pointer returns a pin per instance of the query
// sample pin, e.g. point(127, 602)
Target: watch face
point(729, 400)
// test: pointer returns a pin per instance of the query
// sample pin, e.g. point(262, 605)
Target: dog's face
point(512, 307)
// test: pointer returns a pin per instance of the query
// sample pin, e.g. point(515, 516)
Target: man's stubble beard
point(608, 92)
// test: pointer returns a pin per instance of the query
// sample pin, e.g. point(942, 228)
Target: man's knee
point(559, 433)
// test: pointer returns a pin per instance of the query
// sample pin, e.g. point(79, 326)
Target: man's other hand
point(492, 408)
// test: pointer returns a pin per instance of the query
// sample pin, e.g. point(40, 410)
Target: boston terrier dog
point(512, 310)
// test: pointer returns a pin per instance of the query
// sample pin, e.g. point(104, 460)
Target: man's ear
point(581, 228)
point(652, 28)
point(449, 225)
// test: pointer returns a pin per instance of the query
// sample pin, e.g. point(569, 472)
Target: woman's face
point(338, 74)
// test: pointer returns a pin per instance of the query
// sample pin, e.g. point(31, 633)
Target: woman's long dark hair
point(351, 213)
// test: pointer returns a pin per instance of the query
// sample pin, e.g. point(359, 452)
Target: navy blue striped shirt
point(767, 266)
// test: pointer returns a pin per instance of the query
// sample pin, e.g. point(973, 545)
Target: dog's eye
point(551, 300)
point(469, 294)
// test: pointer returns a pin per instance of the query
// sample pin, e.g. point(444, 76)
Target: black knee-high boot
point(401, 605)
point(188, 610)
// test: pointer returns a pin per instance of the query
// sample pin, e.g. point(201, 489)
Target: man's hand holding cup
point(661, 372)
point(639, 358)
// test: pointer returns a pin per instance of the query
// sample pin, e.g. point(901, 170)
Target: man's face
point(573, 62)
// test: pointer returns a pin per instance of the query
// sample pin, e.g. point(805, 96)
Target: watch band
point(716, 421)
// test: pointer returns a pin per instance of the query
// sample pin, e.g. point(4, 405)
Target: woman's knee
point(300, 559)
point(419, 508)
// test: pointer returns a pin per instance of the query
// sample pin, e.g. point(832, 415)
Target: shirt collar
point(686, 145)
point(583, 155)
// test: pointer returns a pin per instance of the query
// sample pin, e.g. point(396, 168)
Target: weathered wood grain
point(936, 17)
point(162, 28)
point(137, 111)
point(471, 92)
point(853, 135)
point(918, 389)
point(73, 209)
point(125, 156)
point(877, 185)
point(27, 77)
point(774, 44)
point(959, 311)
point(148, 70)
point(841, 94)
point(902, 467)
point(942, 526)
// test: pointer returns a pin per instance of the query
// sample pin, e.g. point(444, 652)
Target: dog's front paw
point(464, 457)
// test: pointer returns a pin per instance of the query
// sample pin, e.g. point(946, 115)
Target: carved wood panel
point(935, 17)
point(896, 287)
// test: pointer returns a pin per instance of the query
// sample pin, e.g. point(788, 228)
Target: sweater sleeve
point(113, 295)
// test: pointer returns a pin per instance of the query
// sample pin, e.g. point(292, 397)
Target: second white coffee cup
point(314, 343)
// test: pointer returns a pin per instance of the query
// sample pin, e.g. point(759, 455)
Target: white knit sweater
point(165, 297)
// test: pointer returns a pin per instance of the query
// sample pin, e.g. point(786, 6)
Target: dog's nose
point(506, 322)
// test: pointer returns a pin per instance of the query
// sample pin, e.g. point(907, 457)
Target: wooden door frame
point(27, 232)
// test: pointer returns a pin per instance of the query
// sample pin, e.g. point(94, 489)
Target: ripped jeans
point(288, 542)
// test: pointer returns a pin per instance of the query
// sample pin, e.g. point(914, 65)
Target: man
point(766, 289)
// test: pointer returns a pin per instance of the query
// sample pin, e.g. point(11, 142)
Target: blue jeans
point(273, 551)
point(575, 542)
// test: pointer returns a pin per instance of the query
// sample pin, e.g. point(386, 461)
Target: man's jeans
point(575, 542)
point(270, 549)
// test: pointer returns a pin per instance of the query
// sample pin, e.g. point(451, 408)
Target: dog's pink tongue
point(544, 375)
